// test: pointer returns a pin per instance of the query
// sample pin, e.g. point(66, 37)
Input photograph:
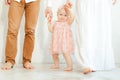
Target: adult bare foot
point(28, 65)
point(87, 70)
point(55, 67)
point(68, 69)
point(7, 66)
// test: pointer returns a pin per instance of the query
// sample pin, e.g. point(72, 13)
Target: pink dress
point(62, 40)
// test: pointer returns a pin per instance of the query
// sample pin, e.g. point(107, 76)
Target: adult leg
point(14, 17)
point(31, 16)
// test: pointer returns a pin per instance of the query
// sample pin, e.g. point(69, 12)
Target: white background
point(116, 30)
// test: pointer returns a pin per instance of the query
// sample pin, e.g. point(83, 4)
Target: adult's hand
point(68, 4)
point(49, 19)
point(113, 2)
point(67, 1)
point(7, 2)
point(48, 12)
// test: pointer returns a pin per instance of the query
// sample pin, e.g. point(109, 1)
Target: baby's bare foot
point(7, 66)
point(87, 70)
point(68, 69)
point(55, 67)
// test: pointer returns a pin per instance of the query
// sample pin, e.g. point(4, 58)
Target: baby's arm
point(50, 27)
point(50, 24)
point(68, 6)
point(70, 17)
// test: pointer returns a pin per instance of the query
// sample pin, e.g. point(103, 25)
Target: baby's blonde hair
point(63, 8)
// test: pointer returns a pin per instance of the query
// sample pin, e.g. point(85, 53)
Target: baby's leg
point(56, 61)
point(68, 61)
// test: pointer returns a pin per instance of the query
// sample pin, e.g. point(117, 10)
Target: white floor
point(43, 72)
